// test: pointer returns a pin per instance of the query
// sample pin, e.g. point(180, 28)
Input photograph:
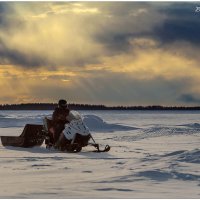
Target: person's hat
point(62, 103)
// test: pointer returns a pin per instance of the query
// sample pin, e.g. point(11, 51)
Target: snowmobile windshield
point(74, 115)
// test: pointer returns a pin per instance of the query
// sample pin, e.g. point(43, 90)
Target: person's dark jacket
point(58, 121)
point(59, 115)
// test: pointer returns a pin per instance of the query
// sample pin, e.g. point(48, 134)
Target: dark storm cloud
point(8, 18)
point(116, 42)
point(123, 21)
point(4, 10)
point(118, 9)
point(180, 9)
point(189, 98)
point(182, 24)
point(15, 57)
point(9, 21)
point(179, 30)
point(30, 60)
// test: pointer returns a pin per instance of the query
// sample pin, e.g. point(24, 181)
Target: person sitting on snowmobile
point(59, 119)
point(74, 136)
point(75, 126)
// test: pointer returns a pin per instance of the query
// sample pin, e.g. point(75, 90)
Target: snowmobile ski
point(98, 150)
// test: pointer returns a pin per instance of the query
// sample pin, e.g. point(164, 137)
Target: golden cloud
point(148, 60)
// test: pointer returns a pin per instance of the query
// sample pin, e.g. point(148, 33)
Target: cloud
point(181, 24)
point(94, 86)
point(15, 57)
point(9, 19)
point(179, 30)
point(180, 10)
point(71, 34)
point(189, 98)
point(111, 89)
point(40, 34)
point(57, 39)
point(99, 52)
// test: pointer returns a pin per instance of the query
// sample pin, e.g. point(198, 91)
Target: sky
point(111, 53)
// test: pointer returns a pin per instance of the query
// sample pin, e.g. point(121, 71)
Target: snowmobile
point(76, 136)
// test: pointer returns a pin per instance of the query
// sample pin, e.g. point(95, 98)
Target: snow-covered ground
point(153, 155)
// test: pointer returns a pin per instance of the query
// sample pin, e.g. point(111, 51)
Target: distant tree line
point(51, 106)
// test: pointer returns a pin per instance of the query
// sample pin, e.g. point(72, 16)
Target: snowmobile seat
point(47, 123)
point(31, 136)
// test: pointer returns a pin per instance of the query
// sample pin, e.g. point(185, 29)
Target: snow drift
point(159, 160)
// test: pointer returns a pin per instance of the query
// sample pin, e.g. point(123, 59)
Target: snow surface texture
point(153, 155)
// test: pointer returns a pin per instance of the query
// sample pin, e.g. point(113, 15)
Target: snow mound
point(95, 123)
point(180, 165)
point(160, 175)
point(190, 156)
point(194, 125)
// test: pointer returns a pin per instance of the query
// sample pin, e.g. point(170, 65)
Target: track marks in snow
point(114, 189)
point(40, 165)
point(88, 171)
point(156, 175)
point(177, 166)
point(159, 175)
point(158, 131)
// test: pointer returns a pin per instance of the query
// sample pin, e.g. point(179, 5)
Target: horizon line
point(103, 105)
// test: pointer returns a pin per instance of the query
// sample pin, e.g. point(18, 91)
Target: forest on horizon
point(73, 106)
